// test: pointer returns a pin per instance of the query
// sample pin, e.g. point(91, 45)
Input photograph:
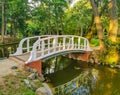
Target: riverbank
point(11, 79)
point(16, 79)
point(6, 68)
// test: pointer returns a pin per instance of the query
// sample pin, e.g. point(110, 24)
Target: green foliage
point(77, 17)
point(95, 42)
point(108, 43)
point(52, 17)
point(47, 17)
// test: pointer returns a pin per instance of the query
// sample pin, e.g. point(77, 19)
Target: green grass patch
point(14, 85)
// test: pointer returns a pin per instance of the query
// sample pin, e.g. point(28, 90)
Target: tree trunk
point(81, 33)
point(112, 55)
point(50, 26)
point(113, 25)
point(3, 21)
point(14, 29)
point(98, 24)
point(62, 26)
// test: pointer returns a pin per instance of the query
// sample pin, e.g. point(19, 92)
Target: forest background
point(97, 20)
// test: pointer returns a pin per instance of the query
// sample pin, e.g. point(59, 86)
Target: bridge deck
point(23, 58)
point(26, 56)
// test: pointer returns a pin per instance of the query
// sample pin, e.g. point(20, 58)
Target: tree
point(112, 53)
point(98, 24)
point(3, 21)
point(17, 13)
point(77, 18)
point(113, 25)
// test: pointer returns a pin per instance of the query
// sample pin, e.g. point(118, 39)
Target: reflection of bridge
point(33, 49)
point(71, 86)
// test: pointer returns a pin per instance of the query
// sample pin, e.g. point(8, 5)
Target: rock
point(14, 67)
point(32, 76)
point(39, 91)
point(45, 90)
point(41, 78)
point(29, 69)
point(117, 66)
point(111, 66)
point(77, 68)
point(27, 83)
point(96, 61)
point(33, 85)
point(30, 84)
point(34, 71)
point(91, 60)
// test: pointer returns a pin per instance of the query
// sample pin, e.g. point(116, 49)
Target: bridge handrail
point(82, 78)
point(36, 43)
point(33, 54)
point(20, 48)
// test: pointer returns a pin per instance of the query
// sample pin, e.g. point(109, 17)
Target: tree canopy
point(97, 19)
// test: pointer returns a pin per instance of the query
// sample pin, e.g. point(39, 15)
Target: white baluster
point(48, 46)
point(79, 43)
point(72, 42)
point(39, 44)
point(43, 47)
point(64, 40)
point(32, 57)
point(28, 45)
point(88, 47)
point(84, 44)
point(55, 41)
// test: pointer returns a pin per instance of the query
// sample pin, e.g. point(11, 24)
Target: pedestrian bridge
point(43, 47)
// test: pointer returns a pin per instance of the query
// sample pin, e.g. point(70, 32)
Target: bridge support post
point(36, 65)
point(80, 56)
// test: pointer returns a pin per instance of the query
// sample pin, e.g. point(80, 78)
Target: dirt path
point(5, 67)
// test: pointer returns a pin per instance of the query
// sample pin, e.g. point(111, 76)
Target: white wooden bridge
point(43, 47)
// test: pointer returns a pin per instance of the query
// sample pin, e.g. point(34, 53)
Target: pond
point(70, 77)
point(5, 50)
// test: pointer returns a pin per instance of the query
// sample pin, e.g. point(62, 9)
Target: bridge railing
point(55, 44)
point(26, 44)
point(69, 87)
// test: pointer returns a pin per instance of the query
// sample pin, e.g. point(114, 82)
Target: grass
point(14, 85)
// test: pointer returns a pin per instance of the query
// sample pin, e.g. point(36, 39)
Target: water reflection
point(74, 87)
point(55, 64)
point(80, 85)
point(7, 49)
point(70, 77)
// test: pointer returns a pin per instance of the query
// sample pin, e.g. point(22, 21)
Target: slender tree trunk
point(14, 29)
point(62, 26)
point(3, 21)
point(57, 29)
point(98, 24)
point(81, 33)
point(113, 25)
point(50, 28)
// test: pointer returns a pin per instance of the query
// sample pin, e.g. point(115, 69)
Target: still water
point(5, 50)
point(70, 77)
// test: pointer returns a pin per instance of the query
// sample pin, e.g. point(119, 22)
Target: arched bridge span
point(50, 45)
